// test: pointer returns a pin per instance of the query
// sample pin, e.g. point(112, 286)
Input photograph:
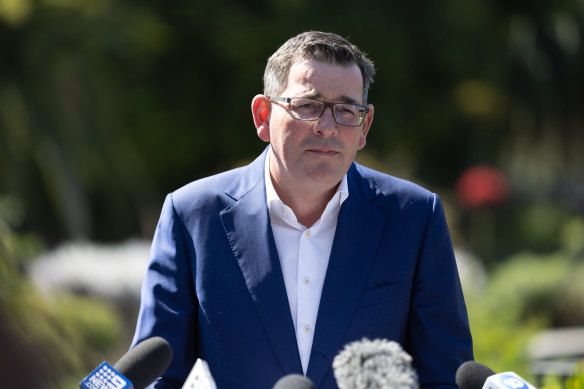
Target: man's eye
point(305, 106)
point(347, 110)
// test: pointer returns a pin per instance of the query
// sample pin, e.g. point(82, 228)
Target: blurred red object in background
point(482, 186)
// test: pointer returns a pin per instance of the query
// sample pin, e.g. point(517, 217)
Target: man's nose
point(326, 124)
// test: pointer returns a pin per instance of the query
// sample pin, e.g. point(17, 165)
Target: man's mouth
point(325, 152)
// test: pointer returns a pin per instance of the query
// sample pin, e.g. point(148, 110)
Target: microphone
point(294, 381)
point(374, 364)
point(134, 370)
point(475, 375)
point(472, 375)
point(200, 377)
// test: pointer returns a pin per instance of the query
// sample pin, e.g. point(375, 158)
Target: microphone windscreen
point(472, 375)
point(145, 362)
point(374, 364)
point(294, 381)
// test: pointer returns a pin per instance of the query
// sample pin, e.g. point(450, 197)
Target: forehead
point(326, 81)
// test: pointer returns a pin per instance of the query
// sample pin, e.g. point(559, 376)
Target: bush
point(525, 294)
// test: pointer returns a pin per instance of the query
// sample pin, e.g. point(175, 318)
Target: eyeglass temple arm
point(277, 98)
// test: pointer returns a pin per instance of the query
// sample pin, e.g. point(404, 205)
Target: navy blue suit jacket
point(214, 287)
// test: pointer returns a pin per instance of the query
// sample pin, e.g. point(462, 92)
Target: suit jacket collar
point(247, 225)
point(249, 232)
point(357, 236)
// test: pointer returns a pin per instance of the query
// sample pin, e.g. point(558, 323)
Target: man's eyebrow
point(312, 95)
point(342, 98)
point(349, 100)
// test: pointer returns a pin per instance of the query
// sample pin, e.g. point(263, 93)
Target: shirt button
point(283, 211)
point(307, 234)
point(306, 281)
point(307, 328)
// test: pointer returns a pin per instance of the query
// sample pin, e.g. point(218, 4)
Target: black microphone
point(472, 375)
point(294, 381)
point(134, 370)
point(475, 375)
point(374, 364)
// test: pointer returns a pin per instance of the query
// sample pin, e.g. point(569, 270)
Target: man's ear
point(366, 126)
point(260, 109)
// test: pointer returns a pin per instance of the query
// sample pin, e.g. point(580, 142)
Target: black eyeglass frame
point(326, 104)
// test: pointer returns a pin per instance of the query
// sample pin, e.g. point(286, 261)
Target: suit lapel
point(248, 229)
point(359, 229)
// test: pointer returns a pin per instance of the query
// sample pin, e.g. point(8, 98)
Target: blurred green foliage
point(46, 339)
point(105, 106)
point(525, 294)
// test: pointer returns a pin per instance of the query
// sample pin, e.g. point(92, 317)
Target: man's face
point(316, 154)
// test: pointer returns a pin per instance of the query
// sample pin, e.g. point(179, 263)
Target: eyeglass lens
point(345, 114)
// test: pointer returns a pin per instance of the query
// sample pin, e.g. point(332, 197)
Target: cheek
point(288, 134)
point(354, 140)
point(290, 143)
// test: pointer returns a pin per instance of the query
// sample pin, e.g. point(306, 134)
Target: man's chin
point(326, 177)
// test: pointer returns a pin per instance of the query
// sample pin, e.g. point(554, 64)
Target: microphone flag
point(105, 376)
point(200, 377)
point(507, 380)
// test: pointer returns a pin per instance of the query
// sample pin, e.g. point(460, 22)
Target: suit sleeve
point(168, 302)
point(439, 335)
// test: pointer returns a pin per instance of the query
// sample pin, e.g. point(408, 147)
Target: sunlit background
point(106, 106)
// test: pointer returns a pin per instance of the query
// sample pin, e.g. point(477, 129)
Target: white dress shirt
point(304, 255)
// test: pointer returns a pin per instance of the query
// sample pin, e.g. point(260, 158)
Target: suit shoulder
point(386, 188)
point(207, 191)
point(216, 192)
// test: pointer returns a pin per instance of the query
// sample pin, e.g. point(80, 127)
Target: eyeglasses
point(351, 115)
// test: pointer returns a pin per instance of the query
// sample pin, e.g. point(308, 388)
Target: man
point(270, 269)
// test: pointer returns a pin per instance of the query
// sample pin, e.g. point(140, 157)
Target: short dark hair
point(320, 46)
